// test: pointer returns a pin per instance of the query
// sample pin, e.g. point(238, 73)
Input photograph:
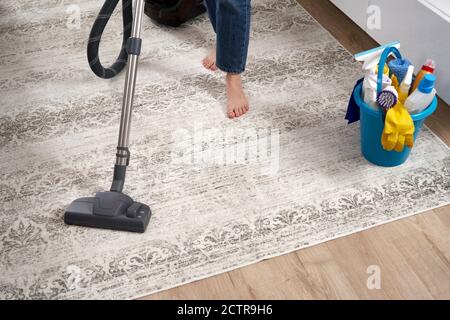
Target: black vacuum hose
point(96, 35)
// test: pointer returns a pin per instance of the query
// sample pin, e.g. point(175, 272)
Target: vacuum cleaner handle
point(96, 35)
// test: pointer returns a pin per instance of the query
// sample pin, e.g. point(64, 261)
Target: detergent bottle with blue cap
point(421, 98)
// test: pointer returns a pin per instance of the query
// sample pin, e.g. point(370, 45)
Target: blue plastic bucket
point(372, 130)
point(372, 124)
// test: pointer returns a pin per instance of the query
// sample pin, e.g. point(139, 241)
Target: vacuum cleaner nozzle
point(109, 210)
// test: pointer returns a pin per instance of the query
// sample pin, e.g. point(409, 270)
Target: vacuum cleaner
point(114, 209)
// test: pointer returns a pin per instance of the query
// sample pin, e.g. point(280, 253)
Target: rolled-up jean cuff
point(230, 70)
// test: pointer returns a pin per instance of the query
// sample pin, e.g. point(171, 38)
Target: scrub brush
point(387, 98)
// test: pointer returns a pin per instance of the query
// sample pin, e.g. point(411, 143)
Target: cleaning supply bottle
point(405, 86)
point(420, 99)
point(428, 68)
point(369, 93)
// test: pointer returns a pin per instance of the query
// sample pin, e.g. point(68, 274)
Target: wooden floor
point(413, 254)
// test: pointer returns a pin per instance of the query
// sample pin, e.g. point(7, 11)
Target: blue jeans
point(231, 22)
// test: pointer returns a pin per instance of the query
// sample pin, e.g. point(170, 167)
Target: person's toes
point(209, 62)
point(231, 114)
point(206, 63)
point(212, 65)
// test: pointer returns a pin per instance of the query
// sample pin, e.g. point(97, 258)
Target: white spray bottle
point(405, 86)
point(371, 59)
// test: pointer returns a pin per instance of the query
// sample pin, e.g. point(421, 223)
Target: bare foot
point(237, 101)
point(209, 62)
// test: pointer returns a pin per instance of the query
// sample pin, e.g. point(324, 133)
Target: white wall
point(422, 29)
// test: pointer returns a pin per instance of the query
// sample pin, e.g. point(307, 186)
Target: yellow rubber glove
point(398, 129)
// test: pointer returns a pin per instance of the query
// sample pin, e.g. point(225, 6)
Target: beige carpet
point(224, 193)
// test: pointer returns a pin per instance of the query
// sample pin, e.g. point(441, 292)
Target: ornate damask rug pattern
point(307, 182)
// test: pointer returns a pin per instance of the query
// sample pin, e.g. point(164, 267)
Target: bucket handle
point(386, 53)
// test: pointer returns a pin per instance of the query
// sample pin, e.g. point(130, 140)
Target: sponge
point(399, 67)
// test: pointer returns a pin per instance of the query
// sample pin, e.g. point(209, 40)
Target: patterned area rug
point(224, 193)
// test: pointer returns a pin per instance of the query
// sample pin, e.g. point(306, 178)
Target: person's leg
point(233, 30)
point(211, 9)
point(232, 23)
point(209, 62)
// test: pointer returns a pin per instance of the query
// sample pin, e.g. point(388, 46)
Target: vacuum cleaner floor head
point(109, 210)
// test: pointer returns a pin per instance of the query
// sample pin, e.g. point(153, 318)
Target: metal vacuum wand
point(133, 48)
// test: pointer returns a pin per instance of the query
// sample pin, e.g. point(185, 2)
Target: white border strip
point(444, 14)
